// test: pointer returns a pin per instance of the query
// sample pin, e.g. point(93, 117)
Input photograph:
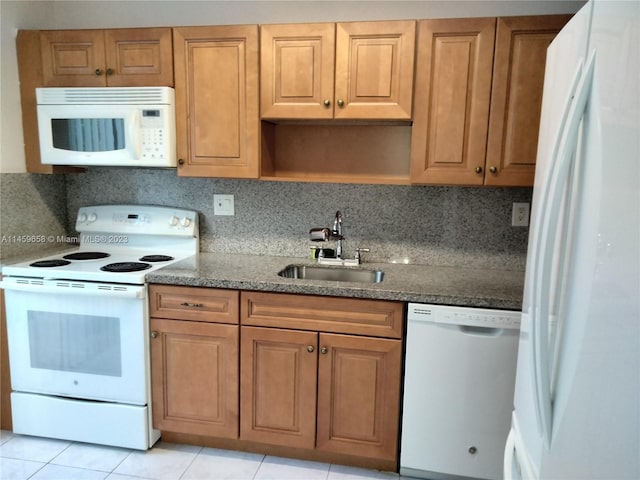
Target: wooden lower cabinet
point(194, 369)
point(359, 395)
point(335, 393)
point(278, 386)
point(194, 360)
point(304, 376)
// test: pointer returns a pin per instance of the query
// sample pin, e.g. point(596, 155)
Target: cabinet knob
point(478, 169)
point(340, 102)
point(109, 71)
point(324, 350)
point(98, 72)
point(154, 334)
point(310, 348)
point(472, 450)
point(327, 102)
point(180, 161)
point(493, 169)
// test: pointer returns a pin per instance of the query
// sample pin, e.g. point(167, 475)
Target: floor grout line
point(199, 451)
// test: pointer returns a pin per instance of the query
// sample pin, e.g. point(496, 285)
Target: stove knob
point(185, 222)
point(173, 221)
point(92, 217)
point(82, 217)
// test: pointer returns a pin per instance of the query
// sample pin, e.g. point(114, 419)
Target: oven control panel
point(138, 219)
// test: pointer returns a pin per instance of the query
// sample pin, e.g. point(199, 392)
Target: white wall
point(23, 14)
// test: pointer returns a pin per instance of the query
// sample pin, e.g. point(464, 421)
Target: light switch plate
point(520, 214)
point(223, 205)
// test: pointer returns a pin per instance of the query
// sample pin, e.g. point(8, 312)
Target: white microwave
point(112, 126)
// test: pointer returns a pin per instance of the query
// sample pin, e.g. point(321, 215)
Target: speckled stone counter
point(501, 289)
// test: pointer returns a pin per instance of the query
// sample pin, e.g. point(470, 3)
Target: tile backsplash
point(457, 226)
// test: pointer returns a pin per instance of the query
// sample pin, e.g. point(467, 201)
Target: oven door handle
point(69, 287)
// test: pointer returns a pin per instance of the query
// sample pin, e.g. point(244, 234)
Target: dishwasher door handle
point(483, 331)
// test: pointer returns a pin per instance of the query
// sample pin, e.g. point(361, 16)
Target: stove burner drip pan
point(56, 262)
point(86, 255)
point(125, 267)
point(156, 258)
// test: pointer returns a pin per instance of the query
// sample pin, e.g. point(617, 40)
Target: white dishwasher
point(458, 391)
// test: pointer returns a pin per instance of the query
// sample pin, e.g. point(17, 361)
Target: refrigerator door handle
point(517, 465)
point(508, 470)
point(566, 144)
point(538, 256)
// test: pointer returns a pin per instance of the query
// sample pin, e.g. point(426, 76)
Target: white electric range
point(78, 326)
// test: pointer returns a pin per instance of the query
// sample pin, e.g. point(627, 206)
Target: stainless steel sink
point(332, 274)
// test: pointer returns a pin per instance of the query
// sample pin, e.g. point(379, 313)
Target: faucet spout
point(337, 233)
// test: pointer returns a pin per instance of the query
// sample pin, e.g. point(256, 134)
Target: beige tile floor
point(24, 457)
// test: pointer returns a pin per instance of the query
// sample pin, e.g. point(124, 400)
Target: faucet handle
point(358, 250)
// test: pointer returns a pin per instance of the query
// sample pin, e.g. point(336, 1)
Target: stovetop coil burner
point(125, 267)
point(86, 255)
point(155, 258)
point(55, 262)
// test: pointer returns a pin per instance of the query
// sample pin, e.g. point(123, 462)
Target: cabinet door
point(216, 81)
point(453, 88)
point(73, 58)
point(139, 57)
point(516, 98)
point(374, 70)
point(194, 377)
point(296, 63)
point(278, 386)
point(359, 395)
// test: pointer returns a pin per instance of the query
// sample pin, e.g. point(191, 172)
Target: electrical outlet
point(223, 205)
point(520, 214)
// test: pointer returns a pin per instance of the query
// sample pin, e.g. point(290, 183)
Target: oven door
point(77, 339)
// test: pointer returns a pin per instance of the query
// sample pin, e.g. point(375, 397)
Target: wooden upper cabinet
point(453, 90)
point(370, 64)
point(374, 70)
point(516, 99)
point(297, 75)
point(217, 119)
point(115, 58)
point(478, 98)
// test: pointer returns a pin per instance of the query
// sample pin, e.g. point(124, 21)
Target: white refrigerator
point(577, 395)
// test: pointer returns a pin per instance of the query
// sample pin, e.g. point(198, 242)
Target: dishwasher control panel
point(473, 317)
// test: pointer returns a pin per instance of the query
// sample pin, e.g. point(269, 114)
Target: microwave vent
point(105, 96)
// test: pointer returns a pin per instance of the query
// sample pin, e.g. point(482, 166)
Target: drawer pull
point(192, 305)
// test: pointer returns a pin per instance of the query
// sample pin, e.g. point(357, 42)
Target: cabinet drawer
point(194, 303)
point(377, 318)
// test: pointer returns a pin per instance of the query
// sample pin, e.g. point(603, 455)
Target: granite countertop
point(488, 288)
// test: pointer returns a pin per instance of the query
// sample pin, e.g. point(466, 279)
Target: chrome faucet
point(336, 233)
point(325, 235)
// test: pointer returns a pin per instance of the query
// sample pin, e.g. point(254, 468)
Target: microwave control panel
point(153, 135)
